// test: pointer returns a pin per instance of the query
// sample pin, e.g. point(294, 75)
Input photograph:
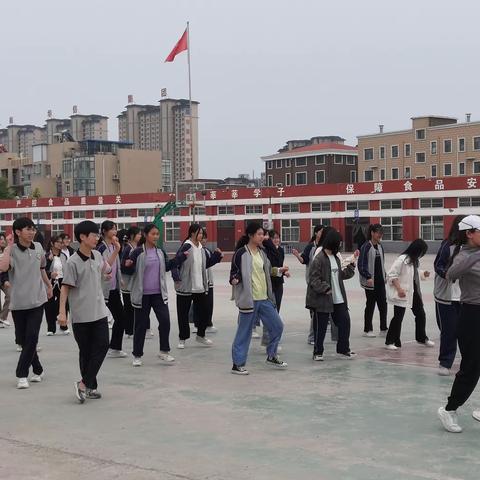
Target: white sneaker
point(19, 348)
point(50, 334)
point(449, 420)
point(318, 358)
point(66, 332)
point(22, 383)
point(5, 323)
point(149, 334)
point(166, 357)
point(116, 353)
point(129, 337)
point(137, 362)
point(204, 341)
point(181, 344)
point(37, 378)
point(382, 333)
point(255, 334)
point(39, 348)
point(391, 346)
point(311, 342)
point(427, 343)
point(476, 415)
point(212, 329)
point(369, 334)
point(443, 371)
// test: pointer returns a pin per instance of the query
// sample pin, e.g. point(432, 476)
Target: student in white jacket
point(403, 291)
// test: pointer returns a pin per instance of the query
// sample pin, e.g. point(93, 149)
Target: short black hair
point(20, 224)
point(332, 241)
point(63, 235)
point(374, 227)
point(85, 228)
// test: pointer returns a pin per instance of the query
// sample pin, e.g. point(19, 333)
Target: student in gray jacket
point(147, 266)
point(326, 296)
point(466, 269)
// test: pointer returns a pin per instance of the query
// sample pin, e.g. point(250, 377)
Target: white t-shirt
point(66, 252)
point(197, 274)
point(57, 266)
point(456, 292)
point(336, 292)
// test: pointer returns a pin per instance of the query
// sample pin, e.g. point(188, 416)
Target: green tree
point(36, 193)
point(5, 192)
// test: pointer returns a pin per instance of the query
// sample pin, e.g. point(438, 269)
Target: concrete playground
point(369, 418)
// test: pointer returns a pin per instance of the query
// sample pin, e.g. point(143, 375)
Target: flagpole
point(190, 94)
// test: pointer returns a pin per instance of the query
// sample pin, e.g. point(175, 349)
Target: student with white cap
point(465, 267)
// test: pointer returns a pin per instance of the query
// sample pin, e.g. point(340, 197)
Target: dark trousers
point(341, 319)
point(115, 306)
point(142, 323)
point(395, 328)
point(447, 321)
point(52, 308)
point(200, 302)
point(208, 313)
point(92, 341)
point(376, 296)
point(278, 293)
point(27, 327)
point(128, 312)
point(467, 377)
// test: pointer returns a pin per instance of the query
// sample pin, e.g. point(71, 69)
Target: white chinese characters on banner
point(280, 191)
point(408, 186)
point(118, 199)
point(350, 188)
point(66, 202)
point(19, 202)
point(234, 193)
point(378, 187)
point(213, 195)
point(34, 202)
point(257, 192)
point(100, 200)
point(50, 202)
point(83, 201)
point(471, 182)
point(439, 185)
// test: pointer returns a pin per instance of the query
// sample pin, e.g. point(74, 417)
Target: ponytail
point(461, 240)
point(242, 241)
point(250, 231)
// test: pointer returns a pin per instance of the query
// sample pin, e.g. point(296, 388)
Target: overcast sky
point(264, 71)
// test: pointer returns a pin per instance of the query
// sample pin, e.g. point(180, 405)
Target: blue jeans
point(447, 320)
point(270, 318)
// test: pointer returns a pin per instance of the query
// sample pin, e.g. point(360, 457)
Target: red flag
point(181, 45)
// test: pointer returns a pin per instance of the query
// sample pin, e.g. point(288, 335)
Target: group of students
point(129, 278)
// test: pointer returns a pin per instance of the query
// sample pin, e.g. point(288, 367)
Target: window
point(420, 157)
point(320, 176)
point(420, 134)
point(395, 173)
point(350, 160)
point(57, 229)
point(301, 162)
point(447, 146)
point(301, 178)
point(146, 212)
point(100, 214)
point(321, 207)
point(368, 175)
point(288, 179)
point(447, 169)
point(431, 203)
point(353, 176)
point(431, 228)
point(57, 215)
point(394, 151)
point(225, 210)
point(390, 204)
point(122, 213)
point(290, 231)
point(469, 202)
point(368, 153)
point(78, 214)
point(320, 160)
point(476, 167)
point(407, 172)
point(198, 210)
point(461, 168)
point(278, 164)
point(270, 164)
point(172, 231)
point(476, 143)
point(289, 208)
point(269, 180)
point(338, 159)
point(381, 153)
point(392, 229)
point(360, 205)
point(382, 174)
point(37, 216)
point(433, 169)
point(249, 209)
point(461, 144)
point(407, 150)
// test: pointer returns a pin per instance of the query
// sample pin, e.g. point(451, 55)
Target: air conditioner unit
point(116, 176)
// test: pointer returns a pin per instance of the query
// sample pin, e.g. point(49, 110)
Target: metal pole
point(190, 99)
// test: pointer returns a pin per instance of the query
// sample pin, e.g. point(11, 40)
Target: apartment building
point(322, 159)
point(434, 146)
point(168, 128)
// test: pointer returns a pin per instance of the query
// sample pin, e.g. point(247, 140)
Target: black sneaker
point(79, 393)
point(238, 370)
point(92, 394)
point(276, 362)
point(347, 356)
